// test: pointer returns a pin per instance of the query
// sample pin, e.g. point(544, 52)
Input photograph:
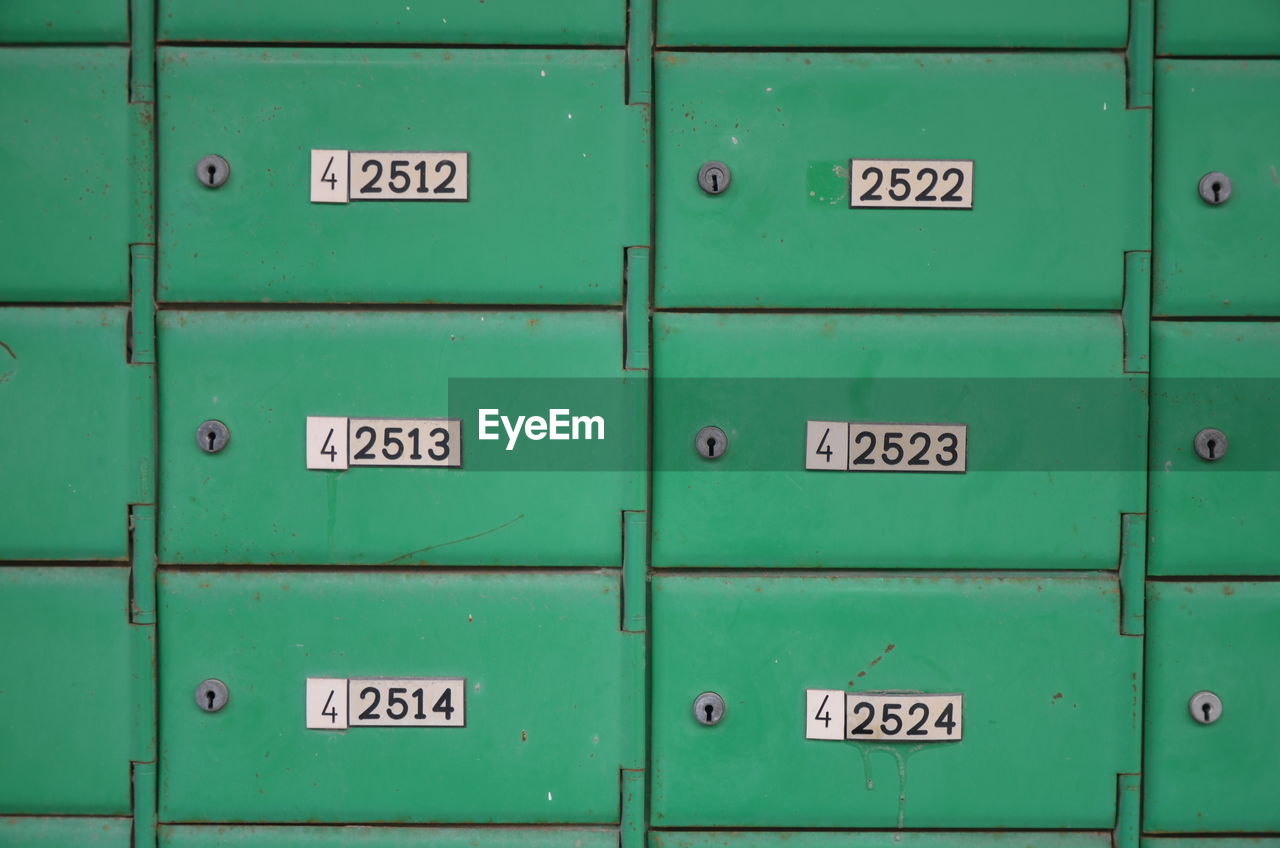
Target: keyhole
point(715, 181)
point(1212, 445)
point(1208, 712)
point(709, 709)
point(711, 451)
point(210, 695)
point(1217, 187)
point(213, 170)
point(211, 436)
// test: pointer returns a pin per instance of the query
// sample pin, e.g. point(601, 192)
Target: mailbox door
point(1216, 260)
point(542, 659)
point(556, 181)
point(1214, 517)
point(65, 22)
point(66, 218)
point(1056, 441)
point(1051, 701)
point(1060, 185)
point(70, 832)
point(67, 706)
point(1219, 638)
point(261, 374)
point(913, 23)
point(1224, 28)
point(68, 459)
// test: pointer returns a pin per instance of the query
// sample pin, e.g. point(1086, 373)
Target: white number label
point(335, 703)
point(329, 176)
point(824, 713)
point(340, 176)
point(826, 446)
point(902, 717)
point(863, 446)
point(408, 702)
point(335, 444)
point(326, 703)
point(911, 183)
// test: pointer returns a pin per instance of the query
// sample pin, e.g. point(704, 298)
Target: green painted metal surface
point(1051, 710)
point(263, 373)
point(64, 139)
point(1057, 440)
point(1210, 842)
point(1217, 260)
point(43, 832)
point(65, 702)
point(1214, 517)
point(876, 23)
point(1221, 28)
point(787, 126)
point(557, 162)
point(1223, 776)
point(570, 22)
point(897, 839)
point(65, 401)
point(265, 836)
point(64, 22)
point(542, 655)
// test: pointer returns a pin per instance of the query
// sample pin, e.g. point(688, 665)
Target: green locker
point(1221, 776)
point(74, 438)
point(43, 832)
point(1056, 440)
point(1216, 259)
point(1218, 28)
point(907, 23)
point(267, 836)
point(65, 223)
point(489, 22)
point(64, 22)
point(555, 176)
point(1214, 516)
point(66, 699)
point(896, 839)
point(545, 697)
point(1051, 701)
point(1058, 186)
point(262, 374)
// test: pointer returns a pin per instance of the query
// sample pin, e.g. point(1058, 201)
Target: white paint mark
point(548, 796)
point(544, 73)
point(734, 139)
point(769, 89)
point(1104, 107)
point(571, 116)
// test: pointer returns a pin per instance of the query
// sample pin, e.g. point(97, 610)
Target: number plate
point(335, 444)
point(824, 714)
point(862, 446)
point(834, 714)
point(911, 183)
point(339, 703)
point(902, 717)
point(342, 176)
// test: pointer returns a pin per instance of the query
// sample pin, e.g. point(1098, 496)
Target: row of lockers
point(1183, 27)
point(556, 179)
point(1056, 431)
point(1053, 705)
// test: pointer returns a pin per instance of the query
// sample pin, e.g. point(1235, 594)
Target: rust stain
point(1227, 590)
point(524, 737)
point(888, 649)
point(1057, 697)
